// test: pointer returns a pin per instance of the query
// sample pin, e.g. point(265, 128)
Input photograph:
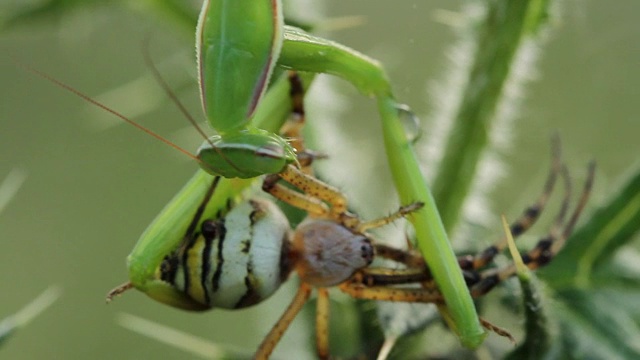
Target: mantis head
point(246, 154)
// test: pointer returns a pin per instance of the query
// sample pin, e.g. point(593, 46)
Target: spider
point(240, 257)
point(320, 251)
point(325, 243)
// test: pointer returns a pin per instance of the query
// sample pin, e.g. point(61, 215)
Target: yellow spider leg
point(313, 206)
point(274, 336)
point(322, 323)
point(363, 286)
point(378, 276)
point(383, 293)
point(402, 212)
point(316, 188)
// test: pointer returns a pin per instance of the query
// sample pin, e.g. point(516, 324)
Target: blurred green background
point(93, 187)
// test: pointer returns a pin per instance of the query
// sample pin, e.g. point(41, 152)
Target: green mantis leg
point(168, 229)
point(305, 52)
point(161, 290)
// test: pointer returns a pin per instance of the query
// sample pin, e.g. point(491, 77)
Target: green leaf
point(537, 335)
point(597, 324)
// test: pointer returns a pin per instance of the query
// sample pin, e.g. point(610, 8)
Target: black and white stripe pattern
point(234, 261)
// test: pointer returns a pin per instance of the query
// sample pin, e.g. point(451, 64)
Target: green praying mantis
point(240, 45)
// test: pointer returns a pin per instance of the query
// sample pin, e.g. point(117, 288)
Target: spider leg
point(409, 258)
point(545, 249)
point(413, 260)
point(526, 220)
point(312, 196)
point(375, 284)
point(568, 230)
point(415, 264)
point(385, 293)
point(402, 212)
point(292, 129)
point(322, 323)
point(274, 336)
point(312, 205)
point(482, 282)
point(379, 280)
point(380, 276)
point(316, 188)
point(498, 330)
point(556, 229)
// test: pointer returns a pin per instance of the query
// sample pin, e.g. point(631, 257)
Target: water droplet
point(411, 123)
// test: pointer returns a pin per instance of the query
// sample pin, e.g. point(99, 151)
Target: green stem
point(499, 37)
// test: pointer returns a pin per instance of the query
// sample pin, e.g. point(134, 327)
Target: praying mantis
point(247, 144)
point(240, 46)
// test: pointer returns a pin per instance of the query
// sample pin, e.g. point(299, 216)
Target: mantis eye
point(244, 155)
